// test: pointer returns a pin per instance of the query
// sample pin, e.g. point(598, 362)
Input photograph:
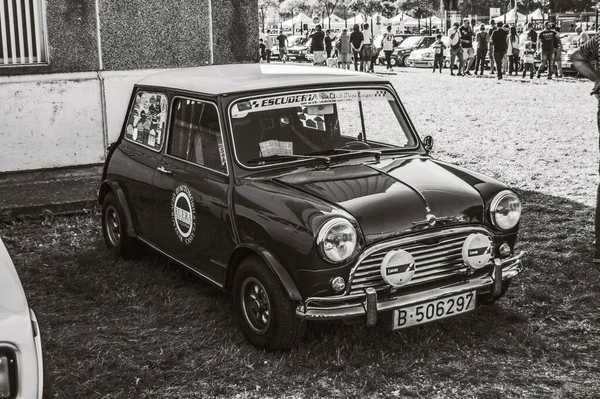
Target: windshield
point(410, 42)
point(335, 122)
point(295, 40)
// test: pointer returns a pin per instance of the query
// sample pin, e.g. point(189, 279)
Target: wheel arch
point(244, 251)
point(109, 186)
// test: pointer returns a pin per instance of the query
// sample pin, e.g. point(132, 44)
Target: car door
point(139, 156)
point(191, 186)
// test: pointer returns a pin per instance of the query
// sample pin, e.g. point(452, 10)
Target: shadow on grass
point(147, 328)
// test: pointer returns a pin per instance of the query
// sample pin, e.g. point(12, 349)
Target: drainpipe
point(101, 82)
point(210, 32)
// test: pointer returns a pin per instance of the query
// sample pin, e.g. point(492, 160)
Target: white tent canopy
point(509, 17)
point(357, 19)
point(333, 21)
point(410, 21)
point(435, 21)
point(537, 14)
point(298, 20)
point(397, 19)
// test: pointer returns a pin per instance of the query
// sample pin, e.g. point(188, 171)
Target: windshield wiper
point(343, 151)
point(283, 158)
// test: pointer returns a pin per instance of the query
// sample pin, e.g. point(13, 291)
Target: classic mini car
point(21, 371)
point(307, 193)
point(402, 52)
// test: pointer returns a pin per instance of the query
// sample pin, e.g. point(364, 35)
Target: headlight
point(336, 240)
point(426, 55)
point(505, 210)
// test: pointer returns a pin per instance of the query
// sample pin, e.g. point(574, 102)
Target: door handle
point(162, 169)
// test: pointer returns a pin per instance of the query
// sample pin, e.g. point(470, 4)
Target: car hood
point(12, 297)
point(394, 197)
point(297, 48)
point(405, 49)
point(420, 52)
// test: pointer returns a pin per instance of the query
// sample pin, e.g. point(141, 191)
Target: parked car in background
point(402, 52)
point(298, 50)
point(306, 193)
point(570, 45)
point(424, 57)
point(21, 368)
point(378, 45)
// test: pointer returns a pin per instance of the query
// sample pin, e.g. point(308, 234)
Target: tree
point(365, 7)
point(389, 8)
point(263, 6)
point(420, 8)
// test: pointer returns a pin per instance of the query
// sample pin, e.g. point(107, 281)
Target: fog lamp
point(338, 284)
point(4, 377)
point(504, 250)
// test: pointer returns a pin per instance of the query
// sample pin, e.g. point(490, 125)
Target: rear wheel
point(263, 309)
point(113, 228)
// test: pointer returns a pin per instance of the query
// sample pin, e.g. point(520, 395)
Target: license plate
point(292, 57)
point(434, 310)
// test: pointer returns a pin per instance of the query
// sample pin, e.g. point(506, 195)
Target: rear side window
point(195, 134)
point(147, 119)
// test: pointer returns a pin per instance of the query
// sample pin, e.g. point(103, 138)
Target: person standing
point(317, 46)
point(455, 49)
point(513, 51)
point(283, 44)
point(532, 34)
point(499, 41)
point(438, 57)
point(557, 54)
point(482, 40)
point(387, 42)
point(365, 56)
point(328, 46)
point(356, 41)
point(491, 45)
point(528, 59)
point(546, 40)
point(466, 42)
point(268, 45)
point(582, 60)
point(343, 47)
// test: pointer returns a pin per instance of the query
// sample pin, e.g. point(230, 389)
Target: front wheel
point(404, 60)
point(263, 309)
point(487, 298)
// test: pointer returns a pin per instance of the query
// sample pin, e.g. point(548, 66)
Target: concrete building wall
point(66, 112)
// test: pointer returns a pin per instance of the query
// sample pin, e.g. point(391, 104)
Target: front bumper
point(368, 305)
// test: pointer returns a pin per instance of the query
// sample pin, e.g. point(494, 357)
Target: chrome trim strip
point(190, 268)
point(511, 267)
point(406, 240)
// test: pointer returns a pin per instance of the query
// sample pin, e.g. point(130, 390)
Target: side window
point(196, 134)
point(147, 120)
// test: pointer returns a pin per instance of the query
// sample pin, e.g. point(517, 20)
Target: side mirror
point(428, 143)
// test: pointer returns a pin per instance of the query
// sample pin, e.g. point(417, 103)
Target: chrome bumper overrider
point(367, 304)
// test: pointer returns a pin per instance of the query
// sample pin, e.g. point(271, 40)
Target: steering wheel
point(355, 145)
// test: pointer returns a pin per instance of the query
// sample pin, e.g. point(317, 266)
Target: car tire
point(113, 228)
point(487, 298)
point(392, 61)
point(408, 63)
point(404, 59)
point(263, 309)
point(446, 63)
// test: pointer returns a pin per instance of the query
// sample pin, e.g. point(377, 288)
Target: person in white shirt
point(366, 51)
point(388, 47)
point(456, 49)
point(583, 36)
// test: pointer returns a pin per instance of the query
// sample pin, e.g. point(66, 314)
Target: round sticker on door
point(183, 213)
point(397, 268)
point(477, 250)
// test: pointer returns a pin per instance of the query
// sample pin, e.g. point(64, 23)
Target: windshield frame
point(300, 90)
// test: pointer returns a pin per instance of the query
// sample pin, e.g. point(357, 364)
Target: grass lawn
point(149, 329)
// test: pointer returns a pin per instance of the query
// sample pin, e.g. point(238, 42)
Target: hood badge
point(430, 220)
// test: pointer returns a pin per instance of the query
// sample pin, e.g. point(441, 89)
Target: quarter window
point(147, 120)
point(195, 134)
point(22, 32)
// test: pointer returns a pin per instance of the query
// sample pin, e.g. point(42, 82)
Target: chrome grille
point(433, 262)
